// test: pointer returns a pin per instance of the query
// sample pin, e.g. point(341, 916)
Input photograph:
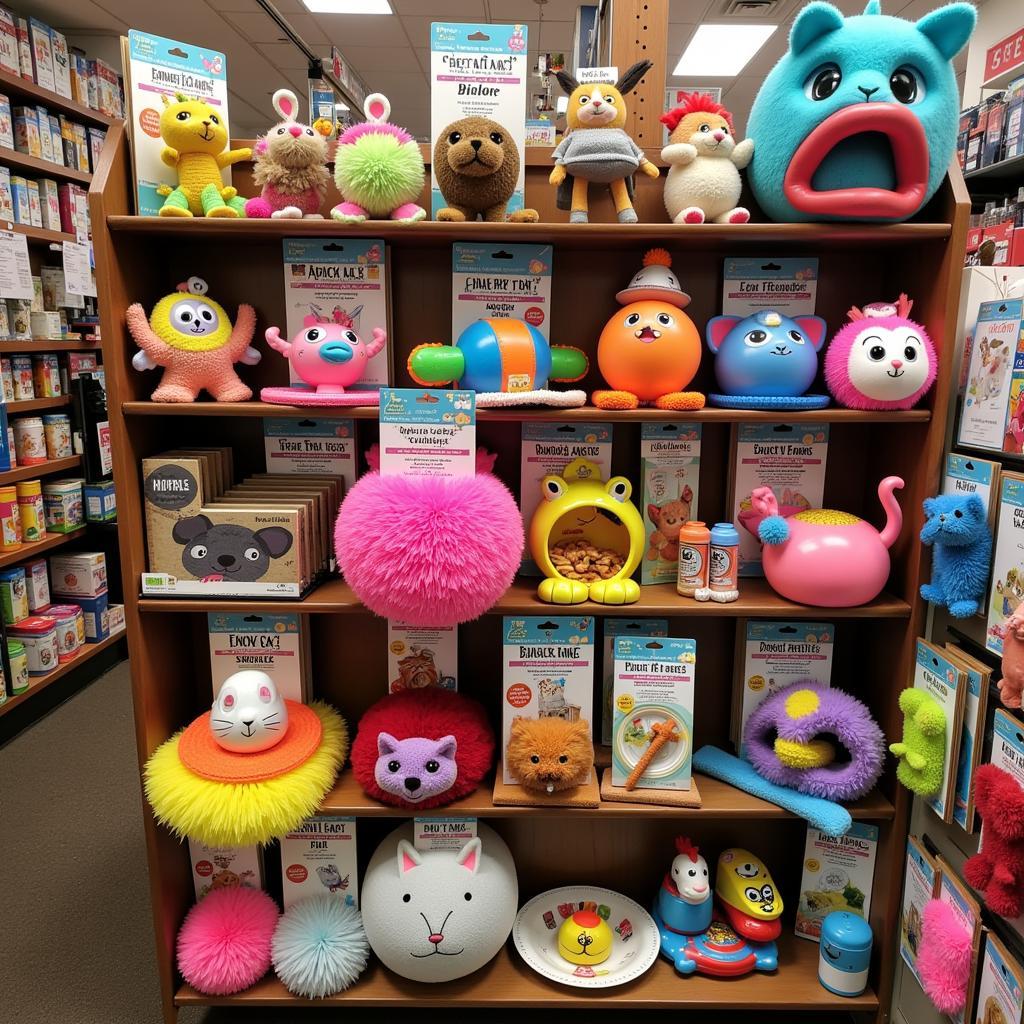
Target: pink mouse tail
point(893, 512)
point(380, 339)
point(276, 342)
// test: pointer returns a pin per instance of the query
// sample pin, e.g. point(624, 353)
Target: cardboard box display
point(320, 857)
point(920, 882)
point(422, 656)
point(275, 644)
point(790, 459)
point(83, 574)
point(612, 629)
point(972, 734)
point(310, 446)
point(224, 867)
point(1006, 586)
point(548, 671)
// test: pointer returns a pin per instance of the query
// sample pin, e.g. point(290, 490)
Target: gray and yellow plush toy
point(476, 163)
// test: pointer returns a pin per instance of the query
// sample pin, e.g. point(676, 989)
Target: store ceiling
point(392, 53)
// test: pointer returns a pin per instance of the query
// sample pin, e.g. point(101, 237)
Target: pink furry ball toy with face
point(881, 359)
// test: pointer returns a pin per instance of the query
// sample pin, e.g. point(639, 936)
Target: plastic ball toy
point(585, 938)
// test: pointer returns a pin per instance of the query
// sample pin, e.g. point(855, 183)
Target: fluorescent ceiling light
point(348, 6)
point(720, 51)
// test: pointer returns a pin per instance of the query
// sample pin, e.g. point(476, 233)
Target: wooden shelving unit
point(33, 165)
point(22, 90)
point(874, 644)
point(10, 476)
point(26, 551)
point(47, 345)
point(38, 236)
point(37, 404)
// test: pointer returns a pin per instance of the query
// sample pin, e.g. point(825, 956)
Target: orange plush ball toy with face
point(650, 349)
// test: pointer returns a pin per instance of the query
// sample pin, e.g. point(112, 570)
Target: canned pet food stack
point(70, 629)
point(10, 519)
point(30, 441)
point(64, 504)
point(30, 504)
point(57, 432)
point(19, 666)
point(13, 595)
point(39, 635)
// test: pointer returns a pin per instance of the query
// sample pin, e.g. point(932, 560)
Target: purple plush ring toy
point(816, 740)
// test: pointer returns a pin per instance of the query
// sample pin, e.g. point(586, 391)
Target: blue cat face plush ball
point(765, 354)
point(858, 120)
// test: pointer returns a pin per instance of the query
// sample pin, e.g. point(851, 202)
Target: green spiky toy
point(922, 751)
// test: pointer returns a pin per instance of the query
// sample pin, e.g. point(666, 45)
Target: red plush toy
point(422, 748)
point(997, 869)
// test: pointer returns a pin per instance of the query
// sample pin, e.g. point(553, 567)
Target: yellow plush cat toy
point(195, 135)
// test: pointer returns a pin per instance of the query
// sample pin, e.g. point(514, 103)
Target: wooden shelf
point(507, 982)
point(15, 86)
point(719, 800)
point(756, 599)
point(46, 345)
point(41, 235)
point(17, 161)
point(1012, 168)
point(41, 682)
point(10, 476)
point(27, 551)
point(588, 413)
point(37, 404)
point(812, 237)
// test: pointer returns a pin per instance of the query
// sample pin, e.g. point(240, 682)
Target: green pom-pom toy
point(922, 751)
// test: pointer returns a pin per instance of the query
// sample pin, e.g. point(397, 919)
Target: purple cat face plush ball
point(422, 748)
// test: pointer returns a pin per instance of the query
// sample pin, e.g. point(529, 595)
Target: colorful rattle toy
point(766, 360)
point(330, 358)
point(585, 938)
point(506, 362)
point(825, 557)
point(650, 349)
point(587, 537)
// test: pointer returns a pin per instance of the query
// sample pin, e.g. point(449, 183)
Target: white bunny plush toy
point(436, 915)
point(249, 715)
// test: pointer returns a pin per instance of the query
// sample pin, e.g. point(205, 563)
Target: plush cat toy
point(858, 120)
point(957, 527)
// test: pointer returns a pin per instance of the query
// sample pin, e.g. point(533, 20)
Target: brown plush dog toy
point(476, 163)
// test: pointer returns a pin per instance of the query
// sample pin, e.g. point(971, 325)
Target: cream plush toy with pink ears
point(704, 161)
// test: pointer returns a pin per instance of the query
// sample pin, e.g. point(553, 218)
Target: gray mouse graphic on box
point(227, 551)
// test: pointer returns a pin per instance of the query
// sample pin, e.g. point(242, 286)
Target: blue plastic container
point(844, 953)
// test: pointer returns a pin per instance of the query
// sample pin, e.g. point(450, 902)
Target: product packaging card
point(653, 691)
point(421, 656)
point(966, 475)
point(972, 735)
point(775, 655)
point(1008, 754)
point(224, 867)
point(318, 857)
point(1000, 985)
point(159, 67)
point(788, 286)
point(42, 54)
point(838, 874)
point(427, 433)
point(479, 71)
point(955, 894)
point(340, 282)
point(612, 629)
point(984, 414)
point(503, 282)
point(311, 447)
point(267, 643)
point(548, 671)
point(920, 880)
point(945, 681)
point(670, 460)
point(790, 459)
point(547, 448)
point(443, 833)
point(1006, 585)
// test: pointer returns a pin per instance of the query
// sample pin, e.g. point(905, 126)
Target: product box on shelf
point(19, 199)
point(311, 446)
point(224, 867)
point(838, 873)
point(991, 150)
point(61, 63)
point(275, 644)
point(100, 502)
point(115, 618)
point(26, 132)
point(9, 42)
point(653, 686)
point(788, 285)
point(109, 88)
point(1006, 584)
point(501, 282)
point(49, 202)
point(320, 857)
point(341, 281)
point(6, 213)
point(420, 656)
point(46, 325)
point(97, 621)
point(6, 123)
point(670, 465)
point(42, 54)
point(482, 71)
point(25, 50)
point(14, 594)
point(612, 629)
point(37, 582)
point(64, 505)
point(83, 574)
point(920, 881)
point(788, 458)
point(45, 138)
point(546, 449)
point(548, 671)
point(972, 735)
point(35, 209)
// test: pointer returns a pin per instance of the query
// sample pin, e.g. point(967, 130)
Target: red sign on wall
point(1006, 55)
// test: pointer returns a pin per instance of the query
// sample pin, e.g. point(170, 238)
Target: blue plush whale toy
point(858, 120)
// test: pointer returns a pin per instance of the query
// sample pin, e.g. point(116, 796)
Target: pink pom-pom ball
point(429, 551)
point(224, 942)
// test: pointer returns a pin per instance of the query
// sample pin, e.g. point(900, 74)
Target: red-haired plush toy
point(422, 748)
point(997, 869)
point(704, 161)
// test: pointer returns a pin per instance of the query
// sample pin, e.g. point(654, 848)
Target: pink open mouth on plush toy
point(910, 159)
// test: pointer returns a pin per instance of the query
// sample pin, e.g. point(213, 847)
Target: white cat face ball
point(249, 715)
point(436, 915)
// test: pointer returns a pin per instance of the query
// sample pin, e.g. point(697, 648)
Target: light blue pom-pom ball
point(319, 947)
point(773, 530)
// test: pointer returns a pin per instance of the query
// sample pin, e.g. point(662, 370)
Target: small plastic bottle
point(694, 556)
point(723, 582)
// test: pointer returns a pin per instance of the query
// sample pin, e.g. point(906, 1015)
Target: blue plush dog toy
point(957, 528)
point(858, 120)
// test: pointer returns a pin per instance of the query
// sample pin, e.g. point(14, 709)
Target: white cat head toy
point(436, 915)
point(249, 715)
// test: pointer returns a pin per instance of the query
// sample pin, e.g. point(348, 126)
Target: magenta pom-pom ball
point(428, 551)
point(224, 942)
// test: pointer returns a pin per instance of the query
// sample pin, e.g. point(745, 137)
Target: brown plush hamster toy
point(549, 754)
point(476, 163)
